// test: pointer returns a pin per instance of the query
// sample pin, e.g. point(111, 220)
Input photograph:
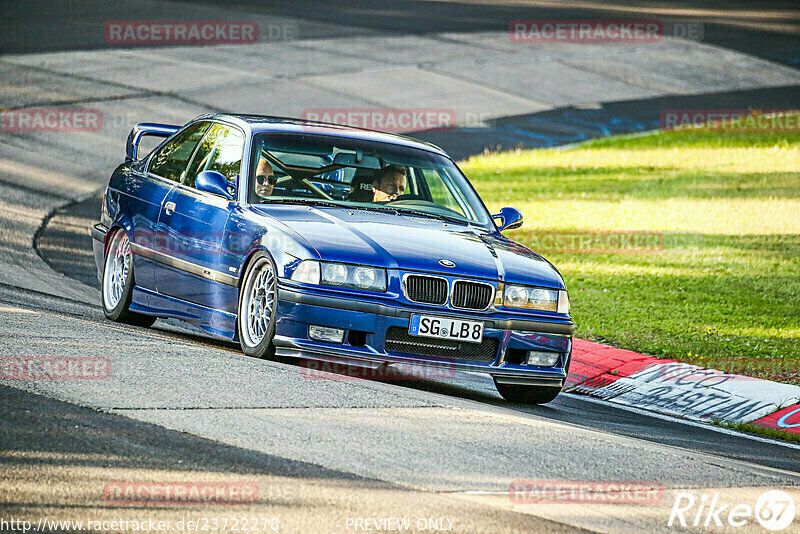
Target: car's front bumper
point(298, 309)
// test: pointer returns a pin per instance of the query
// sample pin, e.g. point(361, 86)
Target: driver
point(265, 178)
point(389, 183)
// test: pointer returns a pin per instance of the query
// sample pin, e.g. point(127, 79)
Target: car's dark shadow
point(69, 435)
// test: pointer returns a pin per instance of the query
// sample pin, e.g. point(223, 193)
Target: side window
point(171, 160)
point(220, 150)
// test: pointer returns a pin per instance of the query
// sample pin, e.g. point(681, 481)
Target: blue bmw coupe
point(329, 243)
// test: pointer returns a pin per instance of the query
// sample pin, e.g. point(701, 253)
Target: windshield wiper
point(429, 215)
point(308, 201)
point(383, 209)
point(406, 211)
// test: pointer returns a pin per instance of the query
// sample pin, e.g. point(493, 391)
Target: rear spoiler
point(142, 129)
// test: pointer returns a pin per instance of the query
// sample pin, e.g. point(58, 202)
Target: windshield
point(360, 174)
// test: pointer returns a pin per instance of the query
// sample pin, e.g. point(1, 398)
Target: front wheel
point(527, 394)
point(258, 307)
point(117, 290)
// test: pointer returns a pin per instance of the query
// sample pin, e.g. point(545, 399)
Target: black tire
point(527, 394)
point(252, 345)
point(120, 312)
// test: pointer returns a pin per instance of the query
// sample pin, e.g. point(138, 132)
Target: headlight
point(307, 272)
point(365, 276)
point(536, 298)
point(341, 275)
point(334, 274)
point(516, 296)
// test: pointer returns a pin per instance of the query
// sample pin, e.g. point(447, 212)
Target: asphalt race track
point(182, 406)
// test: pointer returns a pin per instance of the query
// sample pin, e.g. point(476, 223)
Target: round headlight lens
point(334, 273)
point(544, 299)
point(543, 296)
point(517, 296)
point(364, 277)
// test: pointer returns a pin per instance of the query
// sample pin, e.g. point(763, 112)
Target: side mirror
point(213, 182)
point(511, 219)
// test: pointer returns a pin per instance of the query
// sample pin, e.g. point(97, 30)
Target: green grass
point(758, 430)
point(721, 290)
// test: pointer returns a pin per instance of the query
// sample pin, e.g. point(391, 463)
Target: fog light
point(541, 358)
point(324, 333)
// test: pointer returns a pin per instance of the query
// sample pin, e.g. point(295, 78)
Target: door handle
point(169, 207)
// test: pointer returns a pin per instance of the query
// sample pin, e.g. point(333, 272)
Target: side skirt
point(216, 322)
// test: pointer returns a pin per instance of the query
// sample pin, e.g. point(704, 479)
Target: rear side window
point(171, 160)
point(220, 150)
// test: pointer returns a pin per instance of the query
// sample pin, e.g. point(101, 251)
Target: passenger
point(265, 179)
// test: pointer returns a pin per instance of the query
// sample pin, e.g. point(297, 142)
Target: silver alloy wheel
point(115, 274)
point(257, 301)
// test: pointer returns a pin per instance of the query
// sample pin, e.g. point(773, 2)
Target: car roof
point(266, 123)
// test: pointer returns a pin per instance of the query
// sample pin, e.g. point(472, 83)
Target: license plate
point(446, 328)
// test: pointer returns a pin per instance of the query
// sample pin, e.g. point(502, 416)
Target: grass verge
point(678, 244)
point(764, 432)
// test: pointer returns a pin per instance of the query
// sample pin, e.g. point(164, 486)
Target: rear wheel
point(257, 307)
point(527, 394)
point(118, 283)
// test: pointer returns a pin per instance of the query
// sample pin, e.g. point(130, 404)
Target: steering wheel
point(409, 196)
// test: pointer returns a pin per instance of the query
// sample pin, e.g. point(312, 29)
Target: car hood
point(413, 243)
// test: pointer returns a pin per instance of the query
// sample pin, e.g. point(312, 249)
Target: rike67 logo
point(774, 510)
